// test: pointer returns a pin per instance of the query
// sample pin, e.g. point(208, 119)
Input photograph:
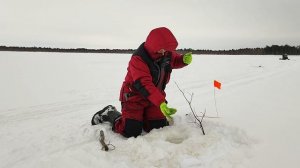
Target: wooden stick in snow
point(102, 138)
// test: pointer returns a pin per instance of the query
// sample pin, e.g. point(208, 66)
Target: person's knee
point(133, 128)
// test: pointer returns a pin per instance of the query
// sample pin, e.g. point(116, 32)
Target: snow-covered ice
point(48, 99)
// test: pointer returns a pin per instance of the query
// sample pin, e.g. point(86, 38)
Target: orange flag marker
point(217, 84)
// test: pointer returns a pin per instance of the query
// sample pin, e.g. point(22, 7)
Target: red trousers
point(139, 114)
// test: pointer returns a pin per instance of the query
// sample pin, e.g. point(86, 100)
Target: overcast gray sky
point(198, 24)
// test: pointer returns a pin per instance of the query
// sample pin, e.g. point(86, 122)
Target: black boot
point(107, 114)
point(113, 116)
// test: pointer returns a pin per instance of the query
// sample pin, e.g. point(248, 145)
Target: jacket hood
point(160, 38)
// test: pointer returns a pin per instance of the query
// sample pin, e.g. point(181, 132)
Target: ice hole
point(176, 139)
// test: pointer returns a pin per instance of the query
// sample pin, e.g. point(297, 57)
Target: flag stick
point(216, 102)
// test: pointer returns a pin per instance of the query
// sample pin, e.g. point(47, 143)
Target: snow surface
point(48, 99)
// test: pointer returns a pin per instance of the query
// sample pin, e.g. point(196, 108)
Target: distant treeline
point(268, 50)
point(75, 50)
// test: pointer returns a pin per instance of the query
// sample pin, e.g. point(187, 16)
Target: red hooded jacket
point(138, 70)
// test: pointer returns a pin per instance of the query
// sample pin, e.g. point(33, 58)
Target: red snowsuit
point(140, 95)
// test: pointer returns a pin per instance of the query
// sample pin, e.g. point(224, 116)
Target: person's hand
point(167, 111)
point(187, 58)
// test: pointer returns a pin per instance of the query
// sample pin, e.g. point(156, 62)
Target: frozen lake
point(48, 99)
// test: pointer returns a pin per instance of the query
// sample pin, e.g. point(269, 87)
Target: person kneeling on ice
point(142, 94)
